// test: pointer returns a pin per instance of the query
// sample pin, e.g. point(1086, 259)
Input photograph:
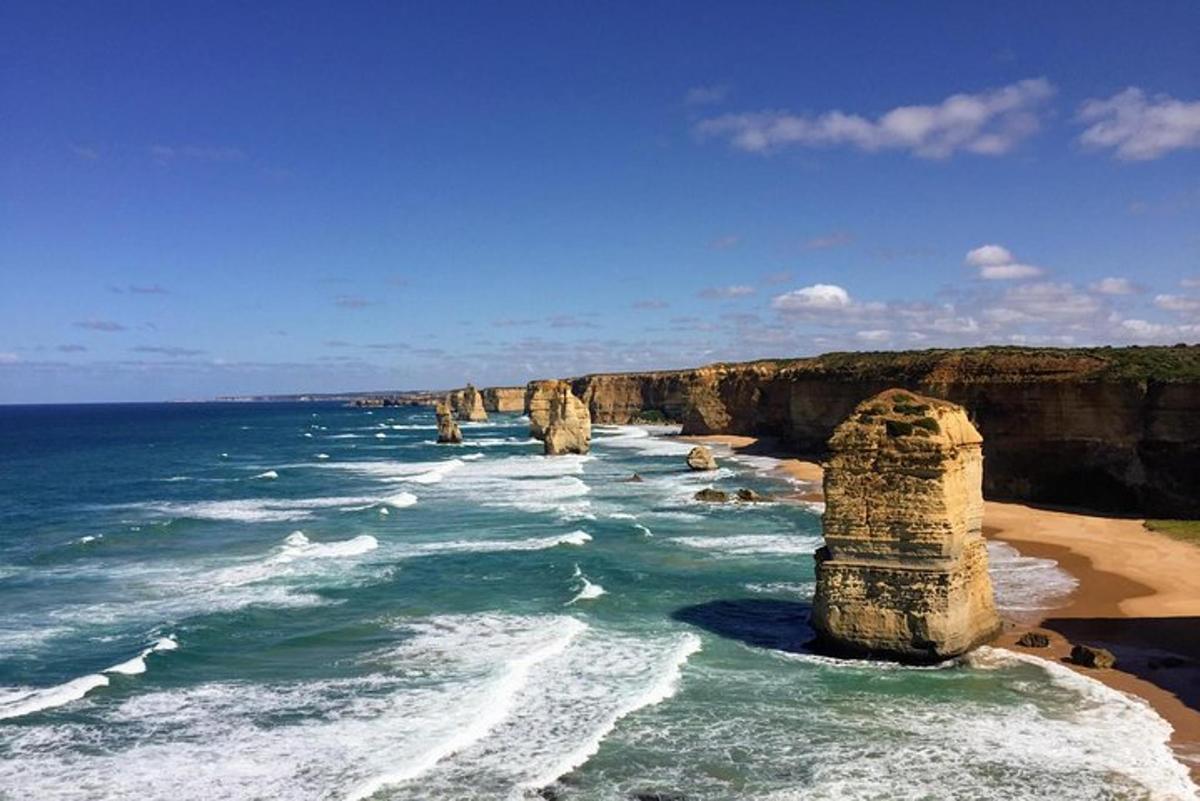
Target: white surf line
point(20, 704)
point(1160, 771)
point(662, 689)
point(508, 687)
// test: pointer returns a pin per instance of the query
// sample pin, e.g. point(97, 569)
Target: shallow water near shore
point(306, 601)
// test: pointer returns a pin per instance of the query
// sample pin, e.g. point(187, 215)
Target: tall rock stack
point(558, 418)
point(448, 430)
point(904, 569)
point(468, 405)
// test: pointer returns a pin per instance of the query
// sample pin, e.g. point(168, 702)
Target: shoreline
point(1138, 595)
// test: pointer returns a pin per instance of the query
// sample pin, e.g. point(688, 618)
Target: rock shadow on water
point(760, 622)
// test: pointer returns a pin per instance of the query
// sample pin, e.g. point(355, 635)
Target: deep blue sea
point(310, 601)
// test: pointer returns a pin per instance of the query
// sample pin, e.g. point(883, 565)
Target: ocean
point(311, 601)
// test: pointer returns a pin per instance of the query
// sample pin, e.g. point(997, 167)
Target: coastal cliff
point(903, 572)
point(1112, 429)
point(503, 399)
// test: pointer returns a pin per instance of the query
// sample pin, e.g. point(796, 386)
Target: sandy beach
point(1138, 595)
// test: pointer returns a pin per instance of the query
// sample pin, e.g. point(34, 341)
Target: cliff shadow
point(761, 622)
point(1164, 651)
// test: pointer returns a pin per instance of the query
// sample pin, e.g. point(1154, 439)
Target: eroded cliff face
point(504, 399)
point(1059, 427)
point(558, 418)
point(904, 569)
point(467, 404)
point(448, 430)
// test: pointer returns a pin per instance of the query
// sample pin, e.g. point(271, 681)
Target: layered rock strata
point(448, 430)
point(903, 572)
point(504, 399)
point(1111, 429)
point(467, 405)
point(558, 418)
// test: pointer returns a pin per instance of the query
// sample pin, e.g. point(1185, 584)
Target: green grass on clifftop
point(1156, 363)
point(1186, 530)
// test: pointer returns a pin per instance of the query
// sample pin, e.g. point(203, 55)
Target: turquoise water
point(305, 601)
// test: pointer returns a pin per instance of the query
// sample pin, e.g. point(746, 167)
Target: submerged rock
point(1089, 656)
point(448, 430)
point(558, 418)
point(701, 458)
point(903, 572)
point(1034, 639)
point(711, 495)
point(750, 496)
point(634, 479)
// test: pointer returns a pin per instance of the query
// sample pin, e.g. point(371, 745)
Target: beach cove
point(1135, 591)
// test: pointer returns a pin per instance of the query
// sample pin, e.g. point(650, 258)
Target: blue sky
point(222, 198)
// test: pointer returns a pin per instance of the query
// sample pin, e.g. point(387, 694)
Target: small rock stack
point(701, 458)
point(448, 430)
point(903, 573)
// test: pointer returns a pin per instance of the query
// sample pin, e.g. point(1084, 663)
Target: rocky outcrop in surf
point(903, 572)
point(558, 418)
point(467, 405)
point(504, 399)
point(701, 458)
point(448, 430)
point(1114, 429)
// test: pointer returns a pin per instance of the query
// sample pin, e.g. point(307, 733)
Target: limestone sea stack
point(448, 430)
point(558, 418)
point(701, 458)
point(468, 405)
point(904, 571)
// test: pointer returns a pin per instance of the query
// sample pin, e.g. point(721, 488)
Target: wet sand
point(1138, 595)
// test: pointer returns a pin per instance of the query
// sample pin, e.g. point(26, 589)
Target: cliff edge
point(1110, 429)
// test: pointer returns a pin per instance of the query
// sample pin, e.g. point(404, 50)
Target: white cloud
point(1140, 129)
point(1141, 329)
point(725, 292)
point(1008, 272)
point(874, 335)
point(833, 239)
point(9, 358)
point(1177, 303)
point(353, 302)
point(165, 154)
point(1048, 301)
point(100, 325)
point(706, 95)
point(997, 263)
point(1190, 283)
point(987, 123)
point(818, 297)
point(989, 255)
point(1114, 286)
